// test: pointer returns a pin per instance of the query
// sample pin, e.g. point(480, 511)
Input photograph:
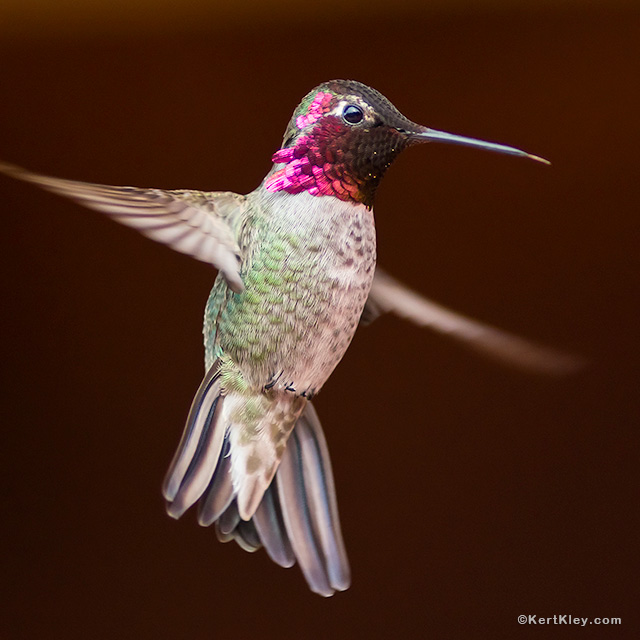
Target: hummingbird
point(296, 261)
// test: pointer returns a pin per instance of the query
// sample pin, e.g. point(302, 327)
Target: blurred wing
point(191, 222)
point(389, 295)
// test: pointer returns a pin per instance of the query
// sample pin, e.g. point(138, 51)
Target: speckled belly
point(305, 291)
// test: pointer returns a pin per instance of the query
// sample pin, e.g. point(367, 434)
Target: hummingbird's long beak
point(431, 135)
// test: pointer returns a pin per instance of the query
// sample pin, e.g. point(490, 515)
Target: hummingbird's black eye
point(352, 114)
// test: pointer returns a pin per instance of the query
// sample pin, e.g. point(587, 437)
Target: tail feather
point(203, 464)
point(247, 536)
point(295, 516)
point(271, 529)
point(321, 496)
point(229, 520)
point(206, 396)
point(219, 494)
point(297, 519)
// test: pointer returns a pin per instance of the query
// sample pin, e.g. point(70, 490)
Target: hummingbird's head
point(342, 138)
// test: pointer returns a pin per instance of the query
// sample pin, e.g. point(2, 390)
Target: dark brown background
point(469, 493)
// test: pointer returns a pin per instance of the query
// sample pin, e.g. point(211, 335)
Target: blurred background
point(469, 493)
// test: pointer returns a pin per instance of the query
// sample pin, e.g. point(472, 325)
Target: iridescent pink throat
point(318, 162)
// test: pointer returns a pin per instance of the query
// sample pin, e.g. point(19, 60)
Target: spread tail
point(261, 483)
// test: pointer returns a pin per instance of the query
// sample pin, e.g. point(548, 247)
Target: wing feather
point(195, 223)
point(389, 295)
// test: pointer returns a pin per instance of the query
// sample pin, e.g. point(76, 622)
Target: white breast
point(338, 254)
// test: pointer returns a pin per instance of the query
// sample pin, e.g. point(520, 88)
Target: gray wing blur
point(196, 223)
point(389, 295)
